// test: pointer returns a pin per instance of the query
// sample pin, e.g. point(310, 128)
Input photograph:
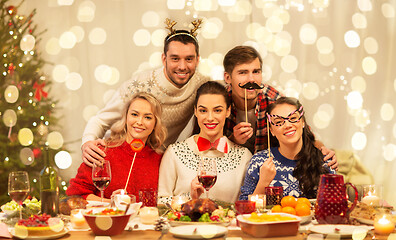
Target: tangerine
point(303, 200)
point(276, 208)
point(289, 210)
point(289, 201)
point(303, 209)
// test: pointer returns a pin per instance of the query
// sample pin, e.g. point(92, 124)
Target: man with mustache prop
point(247, 124)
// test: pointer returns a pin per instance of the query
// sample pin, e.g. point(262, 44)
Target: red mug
point(331, 203)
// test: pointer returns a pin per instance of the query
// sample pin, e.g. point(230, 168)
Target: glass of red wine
point(18, 187)
point(101, 176)
point(207, 173)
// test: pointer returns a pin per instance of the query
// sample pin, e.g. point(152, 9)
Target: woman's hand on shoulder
point(196, 188)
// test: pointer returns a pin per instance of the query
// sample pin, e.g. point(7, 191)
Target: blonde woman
point(141, 119)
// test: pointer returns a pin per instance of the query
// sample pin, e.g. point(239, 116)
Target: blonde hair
point(119, 128)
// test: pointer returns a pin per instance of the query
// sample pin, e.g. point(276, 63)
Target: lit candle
point(260, 201)
point(148, 215)
point(371, 200)
point(77, 219)
point(384, 225)
point(123, 197)
point(177, 201)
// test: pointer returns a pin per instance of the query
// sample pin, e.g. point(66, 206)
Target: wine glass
point(101, 176)
point(207, 173)
point(18, 188)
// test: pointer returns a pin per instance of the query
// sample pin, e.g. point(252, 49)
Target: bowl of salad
point(107, 221)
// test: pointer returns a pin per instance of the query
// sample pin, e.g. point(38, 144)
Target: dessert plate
point(51, 236)
point(343, 231)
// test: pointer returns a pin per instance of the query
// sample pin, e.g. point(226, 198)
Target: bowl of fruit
point(107, 221)
point(296, 206)
point(31, 207)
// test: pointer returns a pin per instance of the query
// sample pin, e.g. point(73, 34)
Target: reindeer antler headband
point(172, 32)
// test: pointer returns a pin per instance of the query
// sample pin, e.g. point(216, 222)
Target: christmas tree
point(26, 109)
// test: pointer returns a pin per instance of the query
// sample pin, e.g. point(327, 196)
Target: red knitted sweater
point(144, 173)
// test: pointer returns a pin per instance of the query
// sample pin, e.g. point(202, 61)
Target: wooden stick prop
point(250, 86)
point(246, 107)
point(137, 145)
point(268, 134)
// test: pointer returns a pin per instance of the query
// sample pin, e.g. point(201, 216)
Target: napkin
point(4, 233)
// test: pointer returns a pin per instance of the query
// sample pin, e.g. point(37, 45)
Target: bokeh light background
point(338, 57)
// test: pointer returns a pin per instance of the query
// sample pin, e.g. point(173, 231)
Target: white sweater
point(177, 103)
point(179, 167)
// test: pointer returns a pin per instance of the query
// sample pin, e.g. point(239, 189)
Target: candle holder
point(384, 224)
point(148, 215)
point(77, 219)
point(177, 201)
point(122, 200)
point(274, 195)
point(260, 201)
point(372, 195)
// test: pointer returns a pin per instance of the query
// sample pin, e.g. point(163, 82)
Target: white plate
point(198, 231)
point(344, 231)
point(52, 236)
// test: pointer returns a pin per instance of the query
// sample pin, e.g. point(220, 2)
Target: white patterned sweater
point(179, 167)
point(177, 103)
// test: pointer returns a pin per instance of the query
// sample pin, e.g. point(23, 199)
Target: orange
point(289, 210)
point(276, 208)
point(289, 201)
point(303, 200)
point(303, 209)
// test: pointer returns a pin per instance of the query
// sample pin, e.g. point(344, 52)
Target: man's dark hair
point(182, 36)
point(240, 55)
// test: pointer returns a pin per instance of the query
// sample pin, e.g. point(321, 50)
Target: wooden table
point(151, 234)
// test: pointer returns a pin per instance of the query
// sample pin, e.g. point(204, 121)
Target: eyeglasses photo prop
point(293, 117)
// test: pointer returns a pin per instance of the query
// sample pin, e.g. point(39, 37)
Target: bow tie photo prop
point(220, 144)
point(250, 86)
point(137, 145)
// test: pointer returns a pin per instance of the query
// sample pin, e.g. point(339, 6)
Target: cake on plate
point(38, 225)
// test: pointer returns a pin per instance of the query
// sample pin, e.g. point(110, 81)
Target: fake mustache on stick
point(251, 85)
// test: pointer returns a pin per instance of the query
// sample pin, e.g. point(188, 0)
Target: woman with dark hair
point(178, 170)
point(295, 163)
